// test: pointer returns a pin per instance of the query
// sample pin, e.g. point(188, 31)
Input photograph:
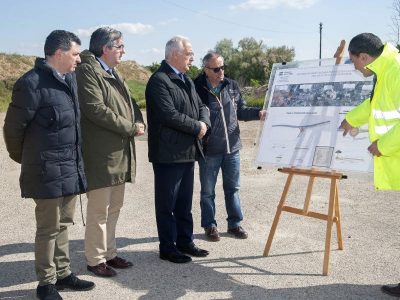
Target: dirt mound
point(131, 70)
point(12, 66)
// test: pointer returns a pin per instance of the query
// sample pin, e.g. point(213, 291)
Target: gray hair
point(175, 43)
point(103, 36)
point(208, 57)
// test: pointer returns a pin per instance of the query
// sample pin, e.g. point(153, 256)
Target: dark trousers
point(173, 185)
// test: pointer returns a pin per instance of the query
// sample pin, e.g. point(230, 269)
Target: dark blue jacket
point(42, 133)
point(234, 109)
point(173, 113)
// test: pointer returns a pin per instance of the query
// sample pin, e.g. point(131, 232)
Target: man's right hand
point(203, 130)
point(346, 127)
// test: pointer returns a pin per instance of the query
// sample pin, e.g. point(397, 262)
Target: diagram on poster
point(305, 108)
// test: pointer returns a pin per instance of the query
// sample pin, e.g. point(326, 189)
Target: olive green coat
point(108, 117)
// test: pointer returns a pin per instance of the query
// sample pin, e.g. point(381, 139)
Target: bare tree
point(395, 25)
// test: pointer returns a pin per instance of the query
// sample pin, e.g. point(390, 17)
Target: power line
point(234, 23)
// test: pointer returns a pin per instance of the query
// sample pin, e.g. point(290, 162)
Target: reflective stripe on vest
point(383, 129)
point(386, 115)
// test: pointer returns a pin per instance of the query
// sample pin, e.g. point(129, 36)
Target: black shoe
point(74, 283)
point(193, 250)
point(391, 290)
point(47, 292)
point(175, 257)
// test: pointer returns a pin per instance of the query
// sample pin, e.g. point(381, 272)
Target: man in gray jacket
point(110, 121)
point(222, 144)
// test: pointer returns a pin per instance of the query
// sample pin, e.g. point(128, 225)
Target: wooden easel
point(333, 215)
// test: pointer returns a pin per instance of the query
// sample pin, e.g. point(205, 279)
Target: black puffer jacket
point(42, 132)
point(225, 128)
point(173, 113)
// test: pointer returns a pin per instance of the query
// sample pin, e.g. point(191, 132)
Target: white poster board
point(306, 104)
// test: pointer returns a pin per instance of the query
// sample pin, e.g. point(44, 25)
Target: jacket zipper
point(228, 148)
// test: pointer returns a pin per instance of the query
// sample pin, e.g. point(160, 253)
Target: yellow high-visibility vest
point(382, 114)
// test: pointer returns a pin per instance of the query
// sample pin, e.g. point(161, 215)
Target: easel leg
point(277, 215)
point(338, 224)
point(332, 198)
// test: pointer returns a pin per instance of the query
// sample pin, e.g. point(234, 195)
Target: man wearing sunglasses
point(222, 144)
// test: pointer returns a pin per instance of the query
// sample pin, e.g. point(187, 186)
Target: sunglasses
point(216, 70)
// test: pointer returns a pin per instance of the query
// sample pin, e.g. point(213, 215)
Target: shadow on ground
point(163, 280)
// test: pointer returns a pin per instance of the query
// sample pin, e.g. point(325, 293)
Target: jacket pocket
point(47, 117)
point(58, 163)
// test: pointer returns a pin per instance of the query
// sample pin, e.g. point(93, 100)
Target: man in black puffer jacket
point(222, 144)
point(42, 133)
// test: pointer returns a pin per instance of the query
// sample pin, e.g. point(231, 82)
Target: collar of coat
point(166, 68)
point(89, 58)
point(202, 87)
point(387, 59)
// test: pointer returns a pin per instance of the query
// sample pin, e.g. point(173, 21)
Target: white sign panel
point(305, 108)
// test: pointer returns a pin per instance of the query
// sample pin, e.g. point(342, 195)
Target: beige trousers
point(103, 209)
point(53, 216)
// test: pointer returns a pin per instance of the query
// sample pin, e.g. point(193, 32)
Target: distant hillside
point(12, 66)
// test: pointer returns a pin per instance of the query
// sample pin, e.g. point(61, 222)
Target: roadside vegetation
point(249, 62)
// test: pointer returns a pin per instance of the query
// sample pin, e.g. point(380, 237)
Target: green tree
point(193, 72)
point(153, 67)
point(225, 48)
point(251, 61)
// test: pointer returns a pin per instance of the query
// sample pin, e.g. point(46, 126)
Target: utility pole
point(320, 40)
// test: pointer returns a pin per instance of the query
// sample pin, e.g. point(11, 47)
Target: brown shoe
point(102, 270)
point(212, 234)
point(119, 263)
point(238, 232)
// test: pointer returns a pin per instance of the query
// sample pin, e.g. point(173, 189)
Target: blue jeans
point(209, 169)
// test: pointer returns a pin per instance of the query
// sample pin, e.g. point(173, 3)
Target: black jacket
point(234, 109)
point(42, 132)
point(173, 113)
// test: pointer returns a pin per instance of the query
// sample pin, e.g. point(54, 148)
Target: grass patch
point(6, 87)
point(137, 89)
point(255, 101)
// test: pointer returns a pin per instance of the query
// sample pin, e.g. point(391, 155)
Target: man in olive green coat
point(110, 121)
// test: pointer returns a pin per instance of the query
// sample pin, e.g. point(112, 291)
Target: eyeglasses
point(122, 46)
point(216, 70)
point(188, 54)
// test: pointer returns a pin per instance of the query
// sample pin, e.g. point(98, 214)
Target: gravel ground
point(235, 269)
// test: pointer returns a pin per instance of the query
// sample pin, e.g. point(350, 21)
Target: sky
point(148, 24)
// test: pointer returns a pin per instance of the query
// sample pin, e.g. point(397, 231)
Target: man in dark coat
point(177, 121)
point(222, 144)
point(42, 133)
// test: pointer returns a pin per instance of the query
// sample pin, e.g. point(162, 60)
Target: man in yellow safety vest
point(381, 111)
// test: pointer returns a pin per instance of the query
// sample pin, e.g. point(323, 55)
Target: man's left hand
point(373, 149)
point(140, 127)
point(262, 115)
